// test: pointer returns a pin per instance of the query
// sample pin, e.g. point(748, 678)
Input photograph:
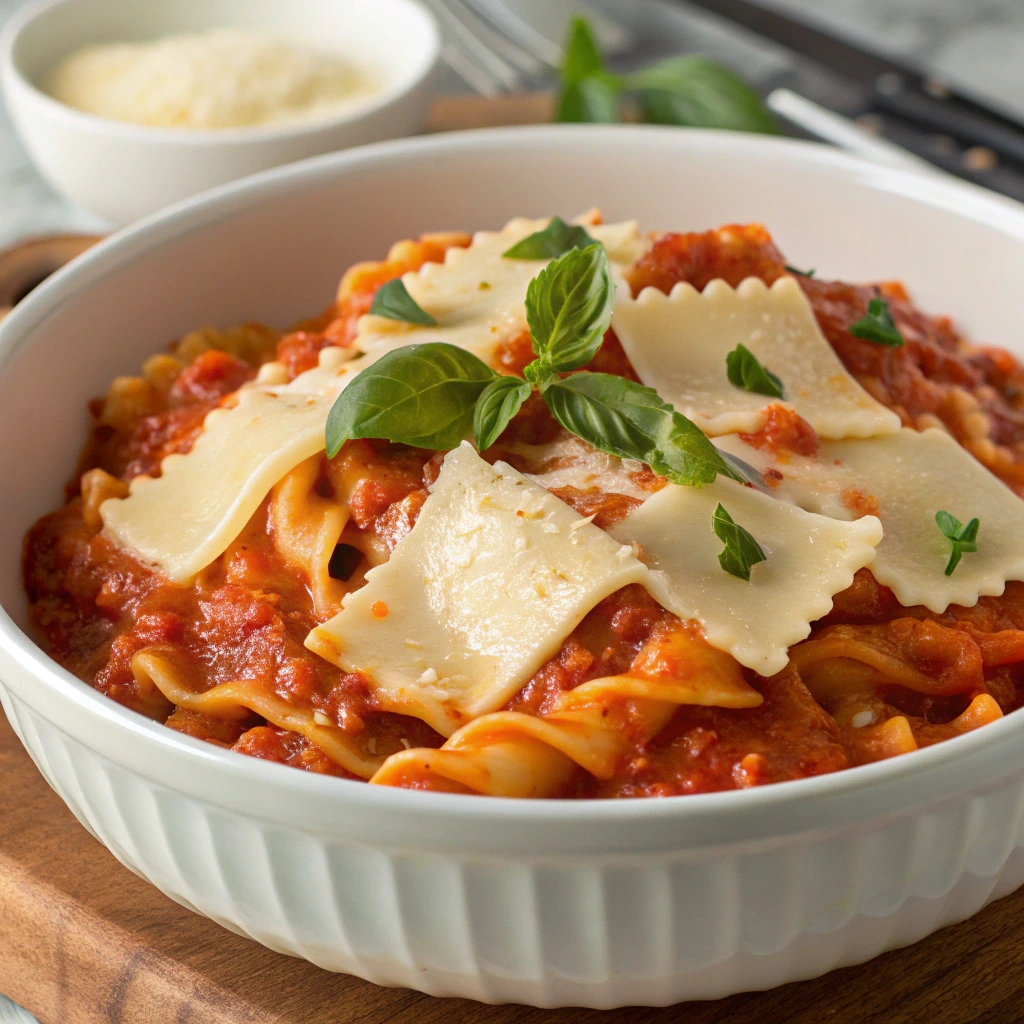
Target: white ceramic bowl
point(124, 171)
point(597, 903)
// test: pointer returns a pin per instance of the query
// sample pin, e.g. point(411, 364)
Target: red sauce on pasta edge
point(246, 616)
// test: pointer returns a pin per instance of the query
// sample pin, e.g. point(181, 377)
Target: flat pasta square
point(678, 344)
point(495, 574)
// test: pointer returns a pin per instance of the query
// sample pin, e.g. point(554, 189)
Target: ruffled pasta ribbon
point(155, 671)
point(592, 727)
point(843, 666)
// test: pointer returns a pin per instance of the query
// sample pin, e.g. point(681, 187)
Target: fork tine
point(521, 32)
point(494, 36)
point(472, 74)
point(505, 77)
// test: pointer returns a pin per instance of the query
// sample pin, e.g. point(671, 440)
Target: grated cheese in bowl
point(226, 78)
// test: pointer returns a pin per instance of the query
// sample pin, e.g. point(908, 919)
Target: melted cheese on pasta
point(183, 519)
point(809, 559)
point(908, 477)
point(493, 577)
point(477, 295)
point(677, 344)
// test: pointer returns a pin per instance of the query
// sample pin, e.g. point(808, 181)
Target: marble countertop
point(977, 43)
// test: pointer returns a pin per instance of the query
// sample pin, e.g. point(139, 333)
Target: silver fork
point(492, 49)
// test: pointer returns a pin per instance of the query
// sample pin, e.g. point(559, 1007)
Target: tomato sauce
point(247, 615)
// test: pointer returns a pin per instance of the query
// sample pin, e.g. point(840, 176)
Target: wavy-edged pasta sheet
point(810, 558)
point(593, 727)
point(477, 295)
point(306, 528)
point(154, 670)
point(185, 518)
point(485, 588)
point(677, 344)
point(905, 478)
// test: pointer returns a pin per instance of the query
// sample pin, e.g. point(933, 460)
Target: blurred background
point(975, 44)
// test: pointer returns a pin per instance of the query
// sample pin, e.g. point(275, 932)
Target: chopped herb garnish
point(690, 90)
point(433, 395)
point(554, 240)
point(799, 272)
point(963, 538)
point(878, 325)
point(394, 301)
point(746, 372)
point(741, 550)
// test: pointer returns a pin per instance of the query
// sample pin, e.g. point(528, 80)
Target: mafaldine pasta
point(561, 511)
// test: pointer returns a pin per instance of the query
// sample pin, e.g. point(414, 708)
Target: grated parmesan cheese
point(226, 78)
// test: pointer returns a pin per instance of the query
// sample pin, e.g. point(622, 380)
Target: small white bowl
point(125, 171)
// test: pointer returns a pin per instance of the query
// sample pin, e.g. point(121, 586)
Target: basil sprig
point(420, 395)
point(689, 90)
point(878, 325)
point(741, 551)
point(963, 538)
point(431, 395)
point(799, 272)
point(496, 406)
point(623, 418)
point(554, 240)
point(392, 299)
point(745, 371)
point(569, 307)
point(588, 92)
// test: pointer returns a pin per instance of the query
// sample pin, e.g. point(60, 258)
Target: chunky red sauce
point(246, 616)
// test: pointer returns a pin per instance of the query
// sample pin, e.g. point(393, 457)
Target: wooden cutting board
point(84, 941)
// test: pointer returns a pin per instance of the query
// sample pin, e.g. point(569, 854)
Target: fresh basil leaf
point(697, 92)
point(497, 404)
point(741, 551)
point(537, 373)
point(393, 300)
point(420, 395)
point(588, 93)
point(589, 101)
point(799, 272)
point(582, 54)
point(557, 238)
point(878, 325)
point(569, 307)
point(623, 418)
point(745, 371)
point(964, 538)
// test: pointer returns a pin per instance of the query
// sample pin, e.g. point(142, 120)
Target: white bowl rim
point(126, 244)
point(155, 135)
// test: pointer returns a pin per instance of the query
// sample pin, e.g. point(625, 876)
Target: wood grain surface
point(84, 941)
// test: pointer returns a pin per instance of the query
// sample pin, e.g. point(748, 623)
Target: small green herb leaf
point(588, 92)
point(623, 418)
point(496, 406)
point(746, 372)
point(878, 325)
point(420, 395)
point(963, 538)
point(394, 301)
point(569, 307)
point(799, 272)
point(557, 238)
point(698, 92)
point(741, 551)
